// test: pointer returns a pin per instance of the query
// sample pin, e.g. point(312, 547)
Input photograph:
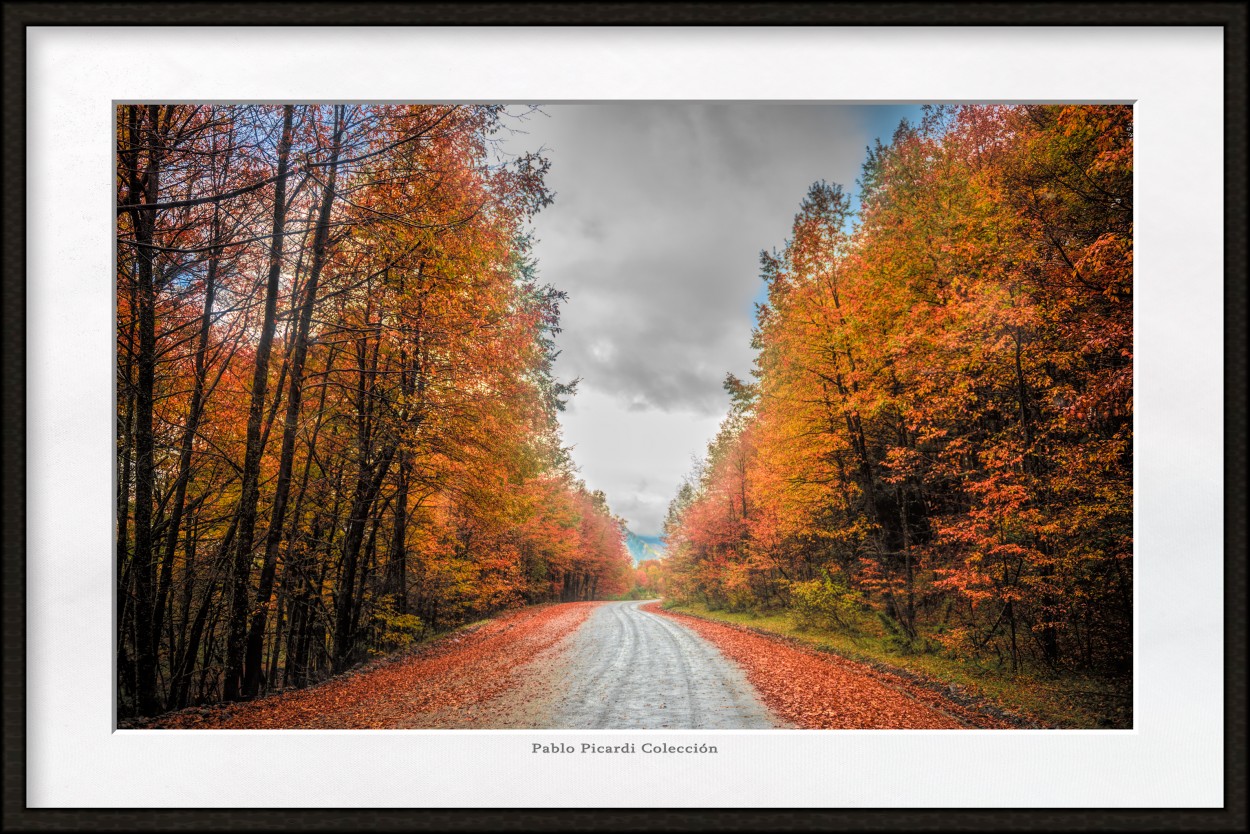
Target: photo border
point(18, 16)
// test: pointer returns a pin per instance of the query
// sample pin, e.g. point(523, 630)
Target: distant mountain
point(643, 548)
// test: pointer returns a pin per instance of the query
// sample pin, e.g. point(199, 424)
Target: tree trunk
point(368, 484)
point(145, 462)
point(250, 491)
point(194, 412)
point(396, 567)
point(273, 538)
point(125, 669)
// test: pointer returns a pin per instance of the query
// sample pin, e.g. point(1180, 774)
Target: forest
point(336, 410)
point(936, 443)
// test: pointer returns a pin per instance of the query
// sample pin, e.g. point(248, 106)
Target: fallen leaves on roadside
point(453, 674)
point(821, 691)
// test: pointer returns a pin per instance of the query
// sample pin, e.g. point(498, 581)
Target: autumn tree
point(941, 427)
point(337, 413)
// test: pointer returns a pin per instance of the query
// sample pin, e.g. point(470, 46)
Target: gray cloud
point(660, 213)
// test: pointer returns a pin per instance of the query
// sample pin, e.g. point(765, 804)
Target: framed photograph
point(626, 417)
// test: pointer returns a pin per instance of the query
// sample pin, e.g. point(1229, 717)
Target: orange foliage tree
point(336, 415)
point(940, 430)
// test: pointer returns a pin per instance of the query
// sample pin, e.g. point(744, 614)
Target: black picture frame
point(17, 17)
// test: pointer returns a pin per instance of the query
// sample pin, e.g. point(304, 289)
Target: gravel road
point(599, 665)
point(626, 668)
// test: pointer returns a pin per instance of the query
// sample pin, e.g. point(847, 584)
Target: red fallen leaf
point(820, 691)
point(452, 673)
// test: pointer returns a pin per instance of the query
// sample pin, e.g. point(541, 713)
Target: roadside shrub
point(895, 638)
point(393, 631)
point(828, 602)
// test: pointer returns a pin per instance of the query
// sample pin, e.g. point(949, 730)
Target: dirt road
point(612, 665)
point(627, 668)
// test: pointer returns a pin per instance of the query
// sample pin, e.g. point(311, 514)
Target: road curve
point(626, 668)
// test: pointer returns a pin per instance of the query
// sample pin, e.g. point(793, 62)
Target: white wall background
point(1172, 758)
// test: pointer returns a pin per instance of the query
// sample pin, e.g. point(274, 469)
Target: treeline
point(937, 443)
point(647, 580)
point(336, 412)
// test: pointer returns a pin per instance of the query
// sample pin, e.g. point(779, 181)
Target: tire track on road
point(625, 659)
point(692, 707)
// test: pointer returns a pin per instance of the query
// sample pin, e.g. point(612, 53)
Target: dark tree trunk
point(273, 538)
point(145, 463)
point(125, 668)
point(368, 484)
point(184, 665)
point(396, 567)
point(299, 573)
point(250, 491)
point(194, 413)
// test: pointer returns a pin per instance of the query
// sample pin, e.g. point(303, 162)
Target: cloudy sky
point(660, 213)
